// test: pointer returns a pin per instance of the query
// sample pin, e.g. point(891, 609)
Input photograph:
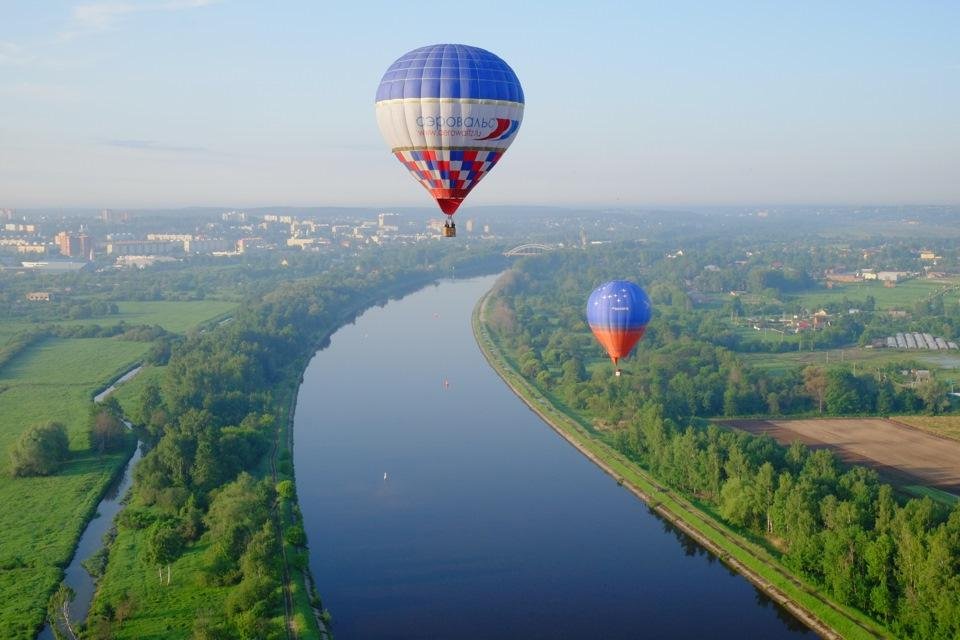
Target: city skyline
point(198, 103)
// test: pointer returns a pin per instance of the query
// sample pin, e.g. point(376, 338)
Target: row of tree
point(842, 529)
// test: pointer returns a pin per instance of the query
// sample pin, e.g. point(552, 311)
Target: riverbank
point(746, 558)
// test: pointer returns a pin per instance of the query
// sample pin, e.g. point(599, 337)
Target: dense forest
point(842, 528)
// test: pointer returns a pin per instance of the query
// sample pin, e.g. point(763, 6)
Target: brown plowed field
point(909, 455)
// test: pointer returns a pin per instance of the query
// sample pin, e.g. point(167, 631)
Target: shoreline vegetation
point(801, 599)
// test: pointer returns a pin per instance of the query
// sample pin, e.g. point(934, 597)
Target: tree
point(106, 429)
point(164, 545)
point(40, 450)
point(815, 382)
point(286, 489)
point(842, 395)
point(933, 394)
point(124, 609)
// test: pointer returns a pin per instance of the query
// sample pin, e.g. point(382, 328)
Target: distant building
point(28, 248)
point(18, 227)
point(843, 277)
point(388, 222)
point(233, 216)
point(74, 245)
point(249, 244)
point(926, 254)
point(303, 243)
point(106, 215)
point(41, 296)
point(141, 262)
point(143, 247)
point(54, 265)
point(890, 276)
point(206, 245)
point(171, 237)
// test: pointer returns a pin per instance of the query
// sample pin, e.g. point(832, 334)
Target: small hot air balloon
point(618, 312)
point(449, 112)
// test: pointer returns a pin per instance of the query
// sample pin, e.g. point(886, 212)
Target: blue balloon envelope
point(618, 312)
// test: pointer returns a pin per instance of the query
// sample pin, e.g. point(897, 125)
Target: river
point(437, 505)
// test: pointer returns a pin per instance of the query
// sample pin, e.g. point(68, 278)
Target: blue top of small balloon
point(619, 305)
point(450, 71)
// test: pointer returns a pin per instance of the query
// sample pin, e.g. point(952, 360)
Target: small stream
point(76, 576)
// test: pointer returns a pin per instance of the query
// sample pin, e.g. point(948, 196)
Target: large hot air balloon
point(449, 112)
point(618, 312)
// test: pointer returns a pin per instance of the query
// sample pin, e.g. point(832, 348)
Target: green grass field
point(160, 610)
point(902, 296)
point(175, 316)
point(128, 394)
point(865, 360)
point(946, 426)
point(42, 518)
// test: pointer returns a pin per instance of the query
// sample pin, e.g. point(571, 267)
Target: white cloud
point(40, 91)
point(13, 54)
point(151, 145)
point(102, 16)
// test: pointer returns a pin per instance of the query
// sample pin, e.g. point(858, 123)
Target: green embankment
point(55, 379)
point(752, 560)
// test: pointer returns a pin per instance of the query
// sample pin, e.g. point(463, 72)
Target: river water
point(437, 505)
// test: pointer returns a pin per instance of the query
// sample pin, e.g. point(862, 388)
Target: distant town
point(121, 239)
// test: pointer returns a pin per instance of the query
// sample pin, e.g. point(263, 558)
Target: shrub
point(40, 450)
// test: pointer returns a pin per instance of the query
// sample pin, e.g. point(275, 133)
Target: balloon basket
point(450, 231)
point(617, 373)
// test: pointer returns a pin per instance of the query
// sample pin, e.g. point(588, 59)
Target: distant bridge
point(530, 249)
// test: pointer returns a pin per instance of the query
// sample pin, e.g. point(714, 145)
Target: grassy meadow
point(902, 296)
point(43, 517)
point(55, 380)
point(869, 359)
point(178, 316)
point(946, 426)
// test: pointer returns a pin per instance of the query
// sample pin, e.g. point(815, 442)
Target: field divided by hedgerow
point(42, 517)
point(55, 380)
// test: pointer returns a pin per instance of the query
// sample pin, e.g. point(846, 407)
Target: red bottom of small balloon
point(449, 199)
point(449, 205)
point(617, 342)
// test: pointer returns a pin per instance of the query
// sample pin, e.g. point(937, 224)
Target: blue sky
point(160, 103)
